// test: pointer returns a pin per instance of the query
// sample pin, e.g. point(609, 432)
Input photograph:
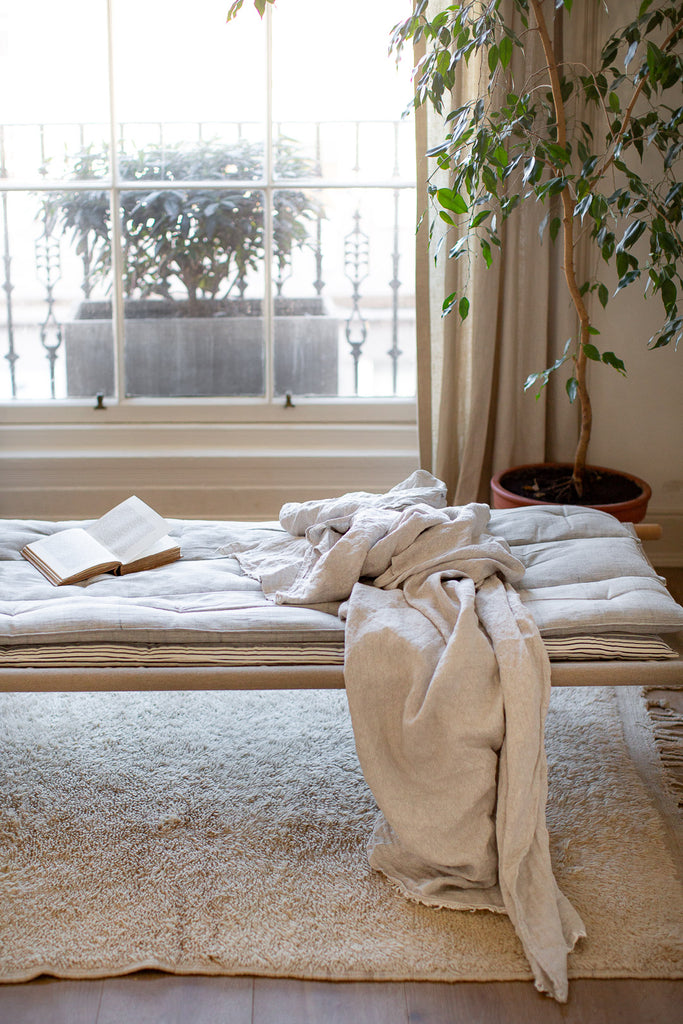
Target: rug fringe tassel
point(668, 729)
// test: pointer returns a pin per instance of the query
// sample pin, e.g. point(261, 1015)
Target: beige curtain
point(474, 417)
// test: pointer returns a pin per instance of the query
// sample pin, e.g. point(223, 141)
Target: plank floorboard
point(591, 1001)
point(151, 997)
point(49, 1001)
point(328, 1002)
point(511, 1002)
point(625, 1001)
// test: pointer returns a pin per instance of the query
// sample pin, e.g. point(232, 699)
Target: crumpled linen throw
point(448, 684)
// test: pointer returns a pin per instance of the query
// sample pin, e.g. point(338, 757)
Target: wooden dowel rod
point(649, 531)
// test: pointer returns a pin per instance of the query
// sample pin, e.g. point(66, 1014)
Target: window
point(204, 215)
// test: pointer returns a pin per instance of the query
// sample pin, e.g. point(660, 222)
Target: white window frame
point(330, 444)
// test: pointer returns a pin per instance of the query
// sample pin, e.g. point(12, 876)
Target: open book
point(129, 538)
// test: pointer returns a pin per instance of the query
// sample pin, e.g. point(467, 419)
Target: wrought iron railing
point(343, 275)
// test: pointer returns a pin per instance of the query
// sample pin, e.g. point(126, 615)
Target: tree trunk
point(568, 206)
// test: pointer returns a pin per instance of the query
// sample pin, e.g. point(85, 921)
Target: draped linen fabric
point(474, 417)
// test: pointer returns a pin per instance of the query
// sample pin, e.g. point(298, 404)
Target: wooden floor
point(151, 998)
point(154, 998)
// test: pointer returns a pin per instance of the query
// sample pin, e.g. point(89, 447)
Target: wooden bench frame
point(666, 674)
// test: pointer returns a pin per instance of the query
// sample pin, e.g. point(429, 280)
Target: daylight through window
point(191, 208)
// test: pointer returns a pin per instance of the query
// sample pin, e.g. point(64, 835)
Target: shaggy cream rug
point(224, 833)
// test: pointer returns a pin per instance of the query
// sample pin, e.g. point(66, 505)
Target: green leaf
point(234, 8)
point(448, 303)
point(463, 307)
point(500, 156)
point(505, 51)
point(572, 388)
point(611, 360)
point(603, 295)
point(631, 52)
point(668, 295)
point(609, 51)
point(614, 103)
point(654, 60)
point(622, 263)
point(489, 179)
point(592, 353)
point(631, 235)
point(486, 252)
point(459, 247)
point(672, 155)
point(481, 216)
point(559, 155)
point(493, 58)
point(592, 330)
point(555, 225)
point(626, 279)
point(451, 200)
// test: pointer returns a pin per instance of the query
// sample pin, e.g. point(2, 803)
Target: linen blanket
point(448, 684)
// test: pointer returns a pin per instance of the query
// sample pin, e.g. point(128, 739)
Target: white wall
point(639, 419)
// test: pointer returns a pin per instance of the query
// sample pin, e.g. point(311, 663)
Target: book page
point(70, 552)
point(129, 529)
point(161, 553)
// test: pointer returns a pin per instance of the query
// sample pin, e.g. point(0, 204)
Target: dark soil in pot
point(554, 484)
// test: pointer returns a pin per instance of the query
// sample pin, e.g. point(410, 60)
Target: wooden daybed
point(202, 624)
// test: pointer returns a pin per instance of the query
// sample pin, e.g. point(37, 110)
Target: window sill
point(66, 469)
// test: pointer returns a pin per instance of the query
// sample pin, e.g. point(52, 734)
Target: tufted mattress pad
point(588, 584)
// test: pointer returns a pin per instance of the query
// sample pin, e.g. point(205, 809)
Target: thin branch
point(629, 110)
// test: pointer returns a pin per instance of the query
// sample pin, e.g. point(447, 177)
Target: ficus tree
point(524, 137)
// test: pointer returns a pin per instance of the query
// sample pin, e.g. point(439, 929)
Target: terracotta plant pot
point(631, 510)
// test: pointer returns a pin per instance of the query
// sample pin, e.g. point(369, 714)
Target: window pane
point(357, 263)
point(195, 259)
point(337, 67)
point(193, 289)
point(358, 260)
point(53, 81)
point(184, 75)
point(44, 281)
point(221, 352)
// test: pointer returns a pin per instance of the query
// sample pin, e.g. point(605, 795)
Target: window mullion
point(268, 305)
point(117, 265)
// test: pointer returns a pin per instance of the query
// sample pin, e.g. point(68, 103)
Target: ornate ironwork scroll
point(356, 269)
point(49, 272)
point(7, 286)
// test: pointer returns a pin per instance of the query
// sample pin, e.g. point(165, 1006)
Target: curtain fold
point(474, 417)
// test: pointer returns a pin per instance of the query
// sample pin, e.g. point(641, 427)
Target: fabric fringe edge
point(668, 731)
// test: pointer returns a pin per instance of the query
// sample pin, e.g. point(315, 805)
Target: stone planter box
point(171, 354)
